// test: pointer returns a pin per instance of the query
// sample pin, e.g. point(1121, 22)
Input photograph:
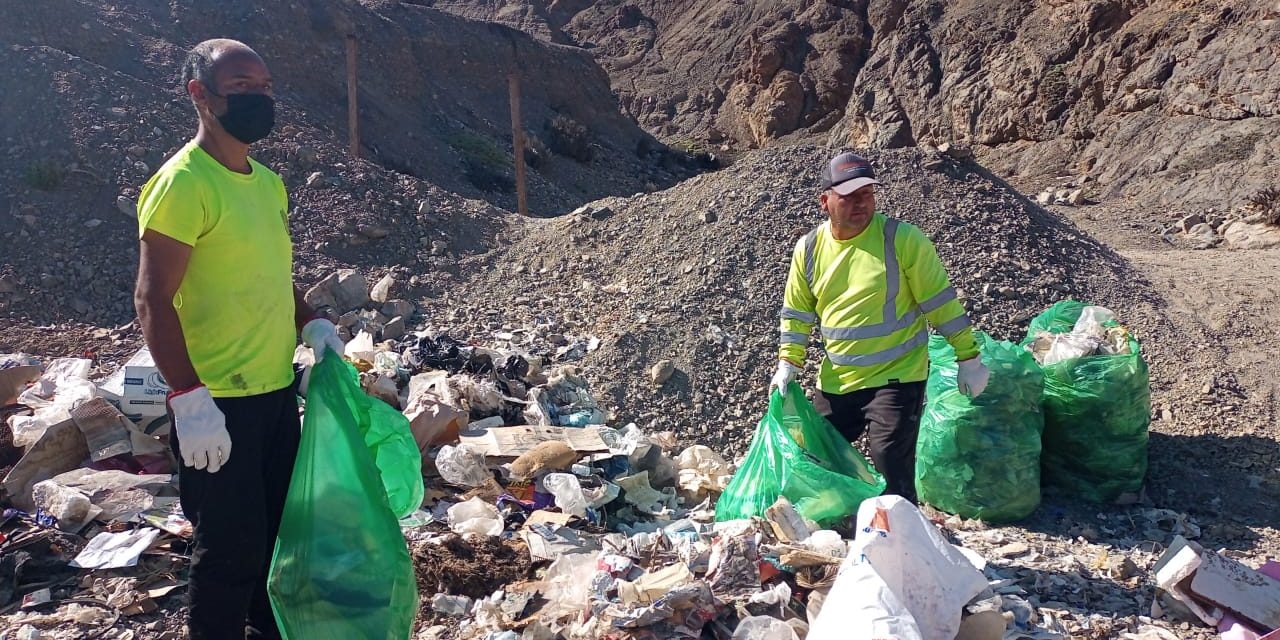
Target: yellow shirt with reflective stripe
point(886, 340)
point(235, 302)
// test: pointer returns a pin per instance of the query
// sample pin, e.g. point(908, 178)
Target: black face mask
point(249, 117)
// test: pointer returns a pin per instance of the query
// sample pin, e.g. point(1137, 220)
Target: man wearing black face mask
point(218, 307)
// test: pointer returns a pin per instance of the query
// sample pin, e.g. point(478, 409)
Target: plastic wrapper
point(462, 465)
point(763, 628)
point(475, 516)
point(568, 492)
point(980, 457)
point(798, 454)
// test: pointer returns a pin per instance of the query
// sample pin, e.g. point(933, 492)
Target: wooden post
point(517, 143)
point(353, 109)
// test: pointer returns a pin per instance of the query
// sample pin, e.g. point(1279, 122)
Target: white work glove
point(320, 335)
point(972, 377)
point(785, 374)
point(201, 428)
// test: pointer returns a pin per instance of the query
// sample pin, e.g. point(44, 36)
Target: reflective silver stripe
point(939, 299)
point(954, 326)
point(878, 330)
point(810, 256)
point(794, 337)
point(880, 357)
point(791, 314)
point(892, 278)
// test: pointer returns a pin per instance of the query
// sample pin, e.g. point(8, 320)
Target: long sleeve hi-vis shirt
point(871, 296)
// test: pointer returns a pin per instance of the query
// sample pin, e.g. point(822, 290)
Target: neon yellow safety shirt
point(235, 303)
point(871, 296)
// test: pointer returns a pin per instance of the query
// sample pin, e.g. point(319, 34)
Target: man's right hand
point(786, 373)
point(201, 429)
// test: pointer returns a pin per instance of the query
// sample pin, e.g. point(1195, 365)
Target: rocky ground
point(665, 290)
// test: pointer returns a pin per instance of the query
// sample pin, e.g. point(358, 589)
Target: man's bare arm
point(161, 266)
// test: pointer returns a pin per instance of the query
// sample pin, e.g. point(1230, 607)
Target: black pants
point(890, 416)
point(236, 515)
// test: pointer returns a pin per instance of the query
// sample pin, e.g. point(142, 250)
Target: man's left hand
point(972, 377)
point(321, 335)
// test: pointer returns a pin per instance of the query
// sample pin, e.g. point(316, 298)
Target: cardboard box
point(142, 380)
point(138, 390)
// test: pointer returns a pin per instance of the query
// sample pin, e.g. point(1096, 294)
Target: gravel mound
point(694, 275)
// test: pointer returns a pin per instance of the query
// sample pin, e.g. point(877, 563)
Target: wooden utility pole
point(517, 143)
point(353, 109)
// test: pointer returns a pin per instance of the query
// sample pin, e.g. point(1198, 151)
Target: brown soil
point(466, 568)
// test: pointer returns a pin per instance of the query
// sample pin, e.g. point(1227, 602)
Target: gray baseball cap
point(847, 173)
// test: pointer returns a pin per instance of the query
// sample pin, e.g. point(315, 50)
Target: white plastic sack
point(568, 492)
point(901, 579)
point(861, 605)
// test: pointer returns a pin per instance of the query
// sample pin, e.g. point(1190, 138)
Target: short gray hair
point(200, 60)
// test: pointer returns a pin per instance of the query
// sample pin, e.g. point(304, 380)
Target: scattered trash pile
point(775, 576)
point(537, 520)
point(94, 534)
point(606, 533)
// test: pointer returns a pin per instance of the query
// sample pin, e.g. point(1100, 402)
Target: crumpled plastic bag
point(568, 584)
point(63, 386)
point(475, 516)
point(901, 579)
point(463, 465)
point(702, 472)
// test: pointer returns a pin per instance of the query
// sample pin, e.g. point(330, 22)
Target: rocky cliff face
point(1170, 100)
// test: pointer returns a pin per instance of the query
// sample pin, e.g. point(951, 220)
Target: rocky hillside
point(92, 107)
point(1172, 101)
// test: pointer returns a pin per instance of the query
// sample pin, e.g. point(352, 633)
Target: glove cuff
point(178, 392)
point(177, 400)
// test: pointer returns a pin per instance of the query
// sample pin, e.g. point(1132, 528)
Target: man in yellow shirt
point(220, 312)
point(873, 284)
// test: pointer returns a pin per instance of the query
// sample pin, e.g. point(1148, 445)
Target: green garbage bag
point(980, 458)
point(1096, 413)
point(798, 454)
point(341, 567)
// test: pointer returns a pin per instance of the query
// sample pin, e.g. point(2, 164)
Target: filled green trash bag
point(341, 568)
point(798, 454)
point(1096, 412)
point(980, 458)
